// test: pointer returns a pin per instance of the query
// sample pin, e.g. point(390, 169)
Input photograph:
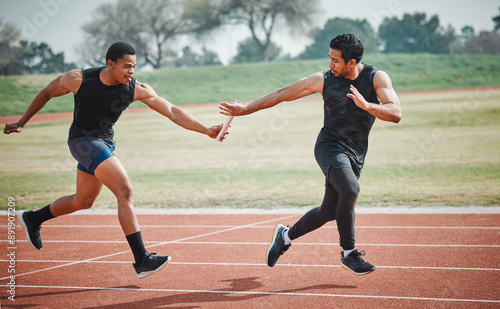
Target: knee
point(126, 193)
point(84, 203)
point(351, 194)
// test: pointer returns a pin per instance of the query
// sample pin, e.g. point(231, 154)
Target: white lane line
point(360, 209)
point(261, 293)
point(259, 264)
point(152, 242)
point(269, 227)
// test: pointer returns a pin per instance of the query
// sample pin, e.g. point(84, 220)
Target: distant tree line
point(412, 33)
point(175, 33)
point(18, 56)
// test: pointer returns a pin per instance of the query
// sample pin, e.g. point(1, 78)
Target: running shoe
point(277, 246)
point(355, 263)
point(150, 264)
point(32, 231)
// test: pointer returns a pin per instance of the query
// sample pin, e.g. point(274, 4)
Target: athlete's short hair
point(117, 50)
point(349, 45)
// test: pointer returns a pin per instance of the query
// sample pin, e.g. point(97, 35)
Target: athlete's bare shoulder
point(381, 80)
point(314, 82)
point(71, 80)
point(143, 91)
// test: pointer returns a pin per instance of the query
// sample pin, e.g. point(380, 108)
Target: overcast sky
point(59, 22)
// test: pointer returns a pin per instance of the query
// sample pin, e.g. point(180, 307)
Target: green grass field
point(409, 72)
point(445, 151)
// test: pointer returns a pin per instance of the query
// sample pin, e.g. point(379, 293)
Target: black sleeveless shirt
point(98, 107)
point(346, 126)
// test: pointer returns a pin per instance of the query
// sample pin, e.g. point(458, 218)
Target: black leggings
point(341, 193)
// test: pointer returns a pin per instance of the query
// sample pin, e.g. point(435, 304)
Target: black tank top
point(98, 107)
point(346, 126)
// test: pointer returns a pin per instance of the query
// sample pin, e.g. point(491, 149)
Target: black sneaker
point(32, 231)
point(150, 264)
point(277, 246)
point(355, 263)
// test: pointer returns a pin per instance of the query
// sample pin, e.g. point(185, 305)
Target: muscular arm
point(390, 108)
point(179, 116)
point(63, 84)
point(299, 89)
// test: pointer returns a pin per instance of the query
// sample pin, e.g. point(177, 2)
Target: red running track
point(218, 261)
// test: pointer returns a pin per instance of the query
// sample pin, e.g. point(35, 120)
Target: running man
point(354, 95)
point(101, 95)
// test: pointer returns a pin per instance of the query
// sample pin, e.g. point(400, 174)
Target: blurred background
point(52, 36)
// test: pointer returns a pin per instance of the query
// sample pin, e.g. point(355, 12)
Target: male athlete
point(354, 95)
point(101, 95)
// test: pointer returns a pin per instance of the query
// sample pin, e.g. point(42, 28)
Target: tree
point(151, 26)
point(249, 51)
point(414, 34)
point(39, 58)
point(335, 26)
point(209, 57)
point(11, 49)
point(18, 56)
point(487, 42)
point(496, 20)
point(467, 32)
point(190, 58)
point(111, 23)
point(260, 16)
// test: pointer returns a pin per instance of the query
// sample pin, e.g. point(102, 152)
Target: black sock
point(137, 246)
point(41, 215)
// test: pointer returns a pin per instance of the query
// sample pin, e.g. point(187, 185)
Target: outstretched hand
point(14, 127)
point(232, 109)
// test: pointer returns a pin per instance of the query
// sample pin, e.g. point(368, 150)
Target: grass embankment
point(409, 72)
